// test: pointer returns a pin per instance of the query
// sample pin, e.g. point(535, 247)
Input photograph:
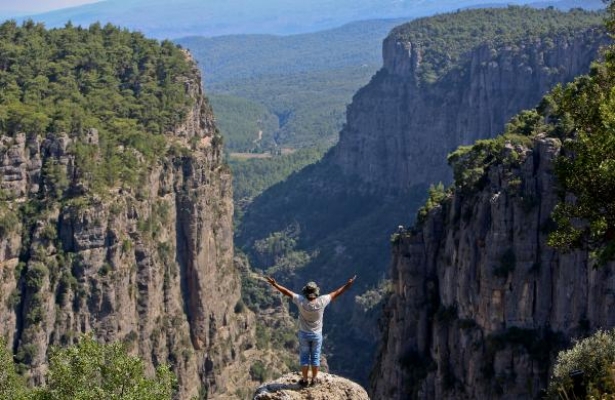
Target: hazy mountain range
point(173, 19)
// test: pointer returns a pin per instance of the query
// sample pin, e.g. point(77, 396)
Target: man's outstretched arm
point(343, 288)
point(285, 292)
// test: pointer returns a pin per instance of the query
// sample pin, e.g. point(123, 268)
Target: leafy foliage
point(436, 195)
point(583, 116)
point(89, 371)
point(470, 163)
point(69, 80)
point(12, 385)
point(593, 359)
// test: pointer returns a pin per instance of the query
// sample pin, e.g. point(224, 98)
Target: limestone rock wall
point(150, 266)
point(481, 304)
point(400, 130)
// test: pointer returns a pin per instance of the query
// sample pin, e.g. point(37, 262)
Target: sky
point(37, 6)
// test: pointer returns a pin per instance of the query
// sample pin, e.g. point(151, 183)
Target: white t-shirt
point(311, 312)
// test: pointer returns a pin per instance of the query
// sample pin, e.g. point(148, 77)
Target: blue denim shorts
point(309, 348)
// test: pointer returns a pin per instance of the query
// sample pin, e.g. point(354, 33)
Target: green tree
point(91, 371)
point(592, 360)
point(584, 112)
point(12, 385)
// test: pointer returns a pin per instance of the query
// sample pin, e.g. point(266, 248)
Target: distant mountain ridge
point(231, 57)
point(163, 19)
point(302, 81)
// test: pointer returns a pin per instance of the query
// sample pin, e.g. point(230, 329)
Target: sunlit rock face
point(151, 267)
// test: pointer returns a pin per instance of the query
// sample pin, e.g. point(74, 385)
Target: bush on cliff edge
point(587, 370)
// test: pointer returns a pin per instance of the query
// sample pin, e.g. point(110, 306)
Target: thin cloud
point(37, 6)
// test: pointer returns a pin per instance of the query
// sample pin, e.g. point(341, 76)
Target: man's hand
point(334, 294)
point(279, 287)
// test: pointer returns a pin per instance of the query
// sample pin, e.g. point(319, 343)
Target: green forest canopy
point(131, 89)
point(445, 38)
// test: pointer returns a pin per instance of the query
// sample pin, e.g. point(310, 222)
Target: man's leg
point(304, 372)
point(315, 355)
point(304, 356)
point(314, 372)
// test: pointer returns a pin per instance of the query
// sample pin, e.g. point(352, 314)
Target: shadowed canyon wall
point(480, 303)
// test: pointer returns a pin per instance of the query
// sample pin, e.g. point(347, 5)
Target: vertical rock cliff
point(150, 265)
point(426, 101)
point(480, 303)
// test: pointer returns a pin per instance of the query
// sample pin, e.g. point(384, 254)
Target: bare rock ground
point(328, 387)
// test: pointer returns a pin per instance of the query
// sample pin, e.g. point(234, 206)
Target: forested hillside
point(436, 35)
point(74, 79)
point(303, 81)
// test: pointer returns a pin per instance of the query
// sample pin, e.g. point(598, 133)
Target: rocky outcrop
point(328, 387)
point(481, 304)
point(400, 128)
point(150, 266)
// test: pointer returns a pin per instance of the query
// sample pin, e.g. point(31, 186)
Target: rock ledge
point(329, 387)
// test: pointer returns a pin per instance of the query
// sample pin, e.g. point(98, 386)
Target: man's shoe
point(303, 383)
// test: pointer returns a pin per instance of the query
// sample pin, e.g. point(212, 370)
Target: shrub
point(90, 370)
point(592, 360)
point(11, 384)
point(437, 194)
point(258, 372)
point(35, 275)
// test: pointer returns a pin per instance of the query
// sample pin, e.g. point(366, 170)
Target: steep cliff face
point(152, 267)
point(481, 303)
point(401, 127)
